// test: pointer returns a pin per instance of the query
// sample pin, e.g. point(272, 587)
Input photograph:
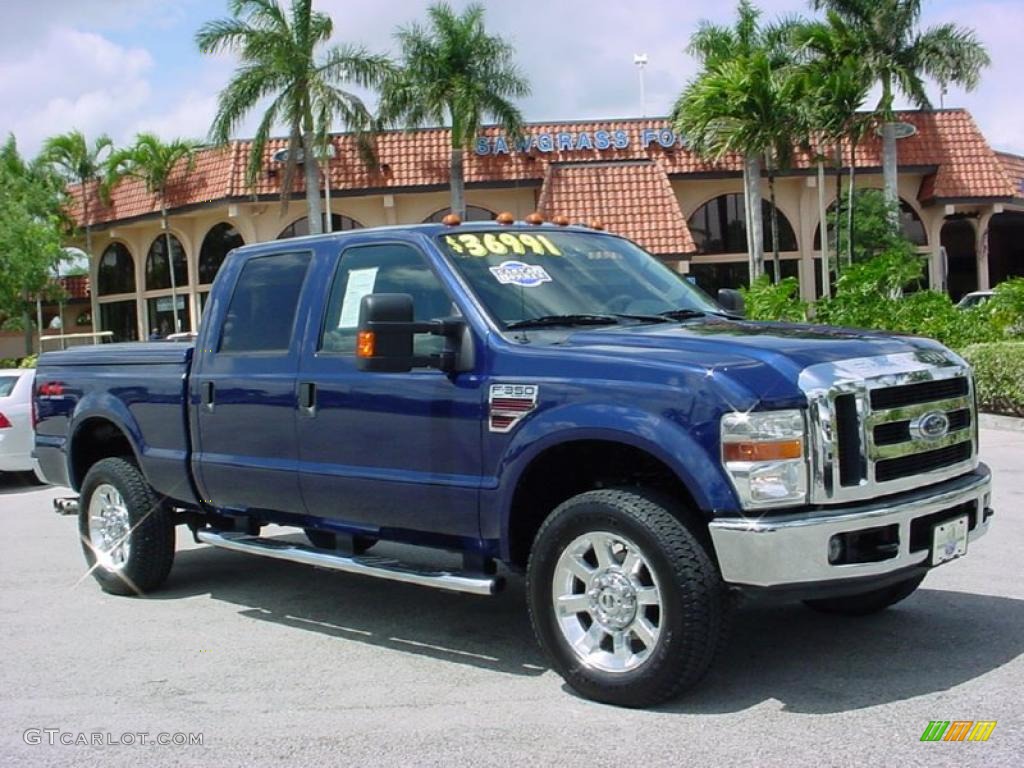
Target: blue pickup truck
point(550, 398)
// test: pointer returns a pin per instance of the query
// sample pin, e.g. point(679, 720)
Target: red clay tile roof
point(632, 198)
point(1014, 167)
point(76, 286)
point(947, 141)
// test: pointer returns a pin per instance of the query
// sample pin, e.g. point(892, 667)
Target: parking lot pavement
point(277, 663)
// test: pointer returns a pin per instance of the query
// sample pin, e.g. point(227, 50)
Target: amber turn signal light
point(776, 450)
point(365, 344)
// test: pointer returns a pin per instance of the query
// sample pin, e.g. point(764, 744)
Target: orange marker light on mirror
point(365, 344)
point(776, 450)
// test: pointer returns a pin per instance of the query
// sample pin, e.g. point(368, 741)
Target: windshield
point(522, 276)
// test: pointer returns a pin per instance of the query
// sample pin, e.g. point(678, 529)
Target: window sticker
point(518, 273)
point(500, 244)
point(360, 283)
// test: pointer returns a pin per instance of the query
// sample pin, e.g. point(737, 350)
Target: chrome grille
point(868, 421)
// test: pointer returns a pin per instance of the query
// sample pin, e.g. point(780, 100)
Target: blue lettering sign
point(545, 143)
point(525, 143)
point(564, 142)
point(602, 140)
point(647, 137)
point(583, 141)
point(621, 140)
point(483, 145)
point(666, 137)
point(500, 146)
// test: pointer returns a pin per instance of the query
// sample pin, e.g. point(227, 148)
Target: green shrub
point(765, 300)
point(998, 376)
point(29, 362)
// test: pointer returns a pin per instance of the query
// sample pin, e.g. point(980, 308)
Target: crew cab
point(551, 399)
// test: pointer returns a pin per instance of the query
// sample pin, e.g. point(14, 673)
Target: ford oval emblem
point(931, 426)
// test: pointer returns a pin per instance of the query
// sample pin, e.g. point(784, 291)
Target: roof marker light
point(505, 218)
point(562, 221)
point(595, 224)
point(451, 220)
point(535, 218)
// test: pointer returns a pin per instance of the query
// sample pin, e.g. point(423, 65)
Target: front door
point(396, 451)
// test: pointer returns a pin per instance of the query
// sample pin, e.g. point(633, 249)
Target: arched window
point(910, 224)
point(720, 226)
point(116, 272)
point(219, 241)
point(473, 213)
point(300, 227)
point(158, 276)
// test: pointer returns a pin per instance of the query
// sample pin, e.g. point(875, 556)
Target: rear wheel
point(624, 597)
point(127, 531)
point(867, 603)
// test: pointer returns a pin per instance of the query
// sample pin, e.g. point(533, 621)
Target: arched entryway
point(1005, 247)
point(960, 243)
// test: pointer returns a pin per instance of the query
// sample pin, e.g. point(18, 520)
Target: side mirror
point(731, 300)
point(384, 338)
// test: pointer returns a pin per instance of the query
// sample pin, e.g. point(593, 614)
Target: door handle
point(307, 397)
point(207, 395)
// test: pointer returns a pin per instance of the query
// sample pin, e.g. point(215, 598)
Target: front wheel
point(866, 603)
point(624, 598)
point(127, 531)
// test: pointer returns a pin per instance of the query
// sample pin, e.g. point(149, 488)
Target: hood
point(752, 354)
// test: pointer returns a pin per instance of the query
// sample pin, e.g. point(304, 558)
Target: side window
point(261, 315)
point(391, 268)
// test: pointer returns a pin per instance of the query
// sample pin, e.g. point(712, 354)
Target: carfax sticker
point(519, 273)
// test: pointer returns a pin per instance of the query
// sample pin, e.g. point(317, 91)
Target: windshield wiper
point(682, 314)
point(543, 320)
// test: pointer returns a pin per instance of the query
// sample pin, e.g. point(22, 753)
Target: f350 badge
point(509, 404)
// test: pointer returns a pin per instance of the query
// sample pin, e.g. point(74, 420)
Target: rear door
point(244, 388)
point(399, 451)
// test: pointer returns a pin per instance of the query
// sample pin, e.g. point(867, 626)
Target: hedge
point(998, 376)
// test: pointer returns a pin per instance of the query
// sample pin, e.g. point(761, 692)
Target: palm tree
point(899, 56)
point(81, 163)
point(836, 82)
point(741, 102)
point(281, 61)
point(454, 73)
point(153, 162)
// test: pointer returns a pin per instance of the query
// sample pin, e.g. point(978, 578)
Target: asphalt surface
point(280, 664)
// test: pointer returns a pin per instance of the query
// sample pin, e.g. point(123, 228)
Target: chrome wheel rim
point(109, 527)
point(607, 602)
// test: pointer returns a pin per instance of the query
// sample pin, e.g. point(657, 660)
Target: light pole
point(640, 60)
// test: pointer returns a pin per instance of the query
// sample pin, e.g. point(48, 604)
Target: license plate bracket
point(949, 540)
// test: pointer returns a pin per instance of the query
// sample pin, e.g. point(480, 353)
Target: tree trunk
point(26, 318)
point(839, 200)
point(311, 171)
point(850, 203)
point(776, 260)
point(754, 228)
point(890, 170)
point(826, 289)
point(176, 324)
point(458, 183)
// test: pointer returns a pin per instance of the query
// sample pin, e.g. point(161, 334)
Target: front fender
point(661, 437)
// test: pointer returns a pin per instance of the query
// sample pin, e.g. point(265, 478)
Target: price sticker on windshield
point(500, 244)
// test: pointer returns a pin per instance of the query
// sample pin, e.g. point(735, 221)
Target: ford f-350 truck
point(548, 397)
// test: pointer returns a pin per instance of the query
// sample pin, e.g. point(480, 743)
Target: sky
point(124, 66)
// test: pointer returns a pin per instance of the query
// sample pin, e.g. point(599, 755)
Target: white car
point(16, 428)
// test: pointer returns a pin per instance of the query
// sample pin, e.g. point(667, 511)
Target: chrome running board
point(364, 565)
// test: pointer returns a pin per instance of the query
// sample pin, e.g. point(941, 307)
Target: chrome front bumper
point(793, 549)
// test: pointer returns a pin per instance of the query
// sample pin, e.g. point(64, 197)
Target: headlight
point(764, 455)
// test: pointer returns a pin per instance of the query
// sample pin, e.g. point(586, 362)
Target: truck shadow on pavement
point(809, 662)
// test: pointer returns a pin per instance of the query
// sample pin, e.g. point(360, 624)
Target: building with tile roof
point(962, 203)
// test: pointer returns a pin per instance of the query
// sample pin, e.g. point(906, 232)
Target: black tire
point(326, 540)
point(867, 603)
point(695, 607)
point(151, 541)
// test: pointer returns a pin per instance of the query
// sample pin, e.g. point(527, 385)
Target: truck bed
point(141, 388)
